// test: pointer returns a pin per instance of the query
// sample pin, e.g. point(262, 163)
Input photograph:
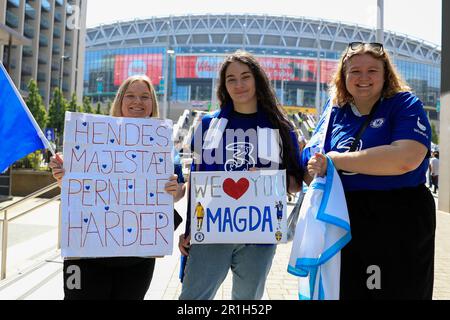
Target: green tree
point(99, 109)
point(73, 104)
point(56, 113)
point(81, 107)
point(87, 106)
point(434, 134)
point(109, 108)
point(36, 105)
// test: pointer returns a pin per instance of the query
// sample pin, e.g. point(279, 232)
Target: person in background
point(434, 171)
point(301, 140)
point(392, 213)
point(120, 278)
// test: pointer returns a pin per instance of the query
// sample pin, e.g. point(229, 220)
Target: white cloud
point(371, 15)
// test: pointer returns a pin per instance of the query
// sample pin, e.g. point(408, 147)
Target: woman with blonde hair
point(378, 137)
point(118, 109)
point(120, 278)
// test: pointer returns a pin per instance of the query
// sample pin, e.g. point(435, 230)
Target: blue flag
point(19, 132)
point(317, 142)
point(322, 230)
point(323, 227)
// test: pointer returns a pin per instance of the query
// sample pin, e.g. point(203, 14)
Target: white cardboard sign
point(113, 199)
point(238, 207)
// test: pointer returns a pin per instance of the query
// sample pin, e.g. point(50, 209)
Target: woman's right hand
point(57, 168)
point(184, 244)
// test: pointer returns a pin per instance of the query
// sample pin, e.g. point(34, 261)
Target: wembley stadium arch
point(299, 54)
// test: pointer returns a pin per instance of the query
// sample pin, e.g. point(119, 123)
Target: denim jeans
point(208, 264)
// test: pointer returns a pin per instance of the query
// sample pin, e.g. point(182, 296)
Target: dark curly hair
point(269, 104)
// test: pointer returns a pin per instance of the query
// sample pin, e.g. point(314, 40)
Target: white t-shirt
point(434, 163)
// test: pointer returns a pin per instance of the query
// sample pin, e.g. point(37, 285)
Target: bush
point(31, 161)
point(36, 105)
point(434, 135)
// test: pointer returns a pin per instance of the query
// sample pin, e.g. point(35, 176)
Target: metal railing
point(6, 220)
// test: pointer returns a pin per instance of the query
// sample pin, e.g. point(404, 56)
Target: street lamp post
point(99, 80)
point(380, 21)
point(318, 106)
point(61, 68)
point(8, 66)
point(213, 91)
point(244, 27)
point(169, 53)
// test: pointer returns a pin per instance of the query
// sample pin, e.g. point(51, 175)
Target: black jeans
point(435, 183)
point(121, 278)
point(394, 231)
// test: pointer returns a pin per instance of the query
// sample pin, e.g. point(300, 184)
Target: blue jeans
point(208, 264)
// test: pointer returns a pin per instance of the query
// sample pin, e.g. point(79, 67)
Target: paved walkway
point(35, 267)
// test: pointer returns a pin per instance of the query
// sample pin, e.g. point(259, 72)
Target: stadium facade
point(299, 55)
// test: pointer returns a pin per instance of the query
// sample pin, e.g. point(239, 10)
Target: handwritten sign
point(113, 198)
point(238, 207)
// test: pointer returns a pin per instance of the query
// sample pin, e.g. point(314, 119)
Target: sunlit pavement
point(35, 265)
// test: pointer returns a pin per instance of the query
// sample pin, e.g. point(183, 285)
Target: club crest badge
point(377, 123)
point(199, 237)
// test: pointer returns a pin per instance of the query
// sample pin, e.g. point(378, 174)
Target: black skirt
point(116, 278)
point(391, 254)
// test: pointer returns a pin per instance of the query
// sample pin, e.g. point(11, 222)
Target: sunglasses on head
point(376, 46)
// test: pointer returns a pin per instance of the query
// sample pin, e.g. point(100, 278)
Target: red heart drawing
point(235, 189)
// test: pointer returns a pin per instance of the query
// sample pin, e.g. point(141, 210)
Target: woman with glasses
point(376, 117)
point(120, 278)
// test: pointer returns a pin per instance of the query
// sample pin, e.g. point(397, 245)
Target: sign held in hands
point(112, 196)
point(238, 207)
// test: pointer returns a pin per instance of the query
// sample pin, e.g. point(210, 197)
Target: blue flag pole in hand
point(19, 132)
point(183, 260)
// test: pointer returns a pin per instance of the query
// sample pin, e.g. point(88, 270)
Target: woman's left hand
point(172, 186)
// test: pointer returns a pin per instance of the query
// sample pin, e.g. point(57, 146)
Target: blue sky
point(417, 18)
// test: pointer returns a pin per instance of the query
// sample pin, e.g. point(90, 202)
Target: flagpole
point(30, 116)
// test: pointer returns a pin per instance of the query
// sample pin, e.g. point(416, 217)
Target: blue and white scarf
point(322, 231)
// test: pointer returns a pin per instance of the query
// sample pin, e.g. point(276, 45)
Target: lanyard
point(364, 126)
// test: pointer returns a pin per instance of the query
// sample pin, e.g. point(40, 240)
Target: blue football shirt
point(400, 117)
point(240, 153)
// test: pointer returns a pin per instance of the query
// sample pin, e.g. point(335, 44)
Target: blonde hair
point(116, 107)
point(393, 82)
